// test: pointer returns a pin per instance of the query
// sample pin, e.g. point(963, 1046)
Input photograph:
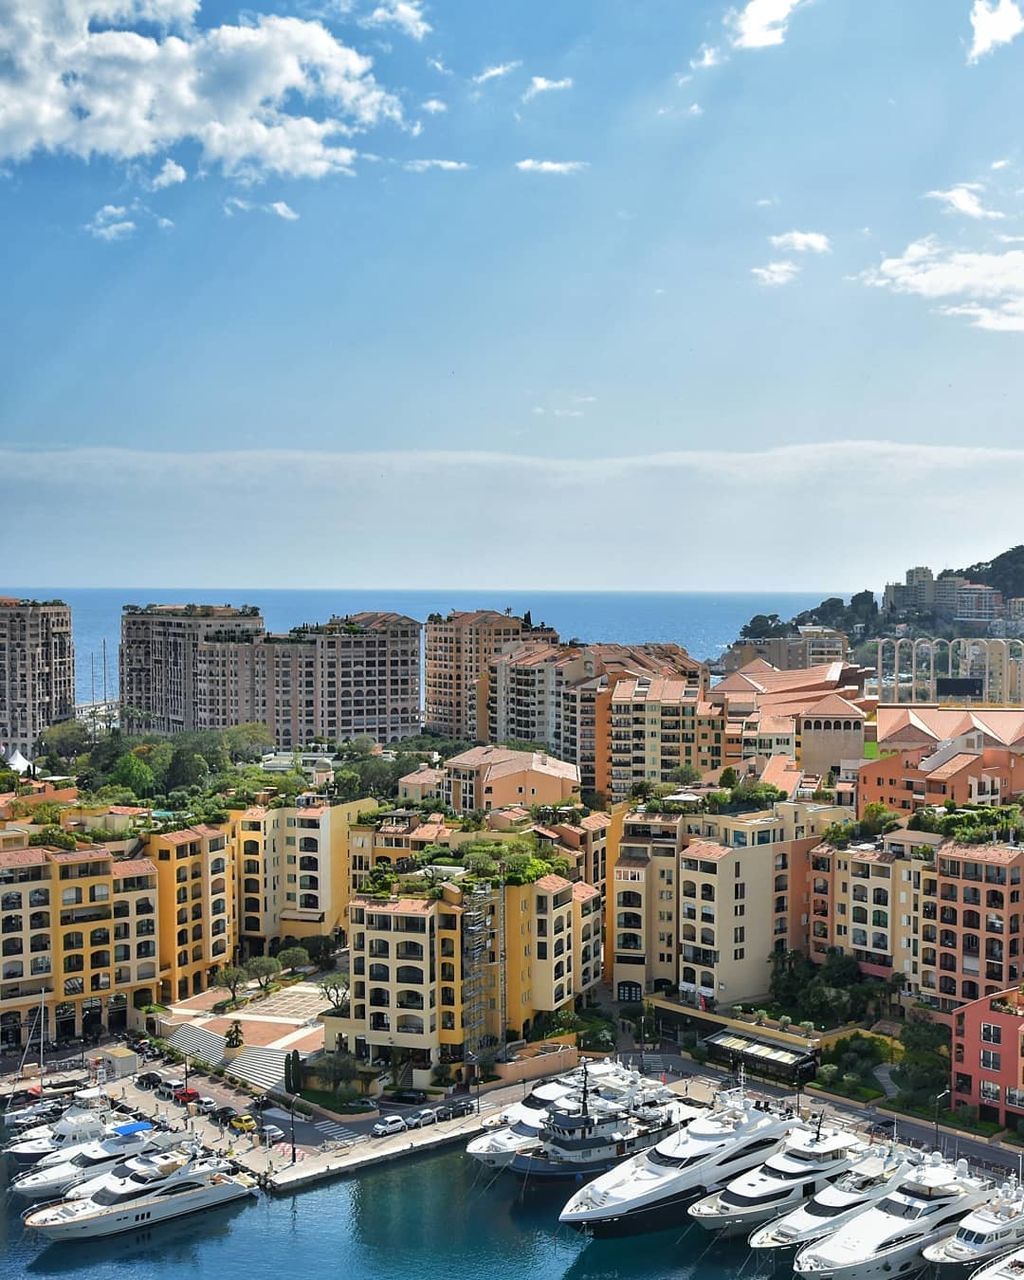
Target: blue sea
point(431, 1217)
point(703, 622)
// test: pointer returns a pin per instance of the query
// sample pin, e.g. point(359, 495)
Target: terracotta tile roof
point(584, 892)
point(834, 705)
point(23, 858)
point(596, 822)
point(1002, 726)
point(126, 810)
point(705, 849)
point(1001, 853)
point(782, 772)
point(134, 867)
point(954, 765)
point(93, 854)
point(402, 907)
point(552, 883)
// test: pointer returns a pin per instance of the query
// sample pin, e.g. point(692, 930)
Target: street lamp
point(474, 1062)
point(943, 1094)
point(292, 1114)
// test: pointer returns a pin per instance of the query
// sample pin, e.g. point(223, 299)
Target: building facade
point(37, 671)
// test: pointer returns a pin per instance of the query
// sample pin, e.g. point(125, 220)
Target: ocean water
point(429, 1217)
point(703, 622)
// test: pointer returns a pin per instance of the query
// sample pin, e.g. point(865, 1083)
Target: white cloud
point(993, 22)
point(80, 80)
point(552, 166)
point(434, 106)
point(539, 84)
point(694, 109)
point(774, 274)
point(278, 208)
point(509, 495)
point(802, 242)
point(707, 56)
point(446, 166)
point(760, 23)
point(171, 174)
point(964, 199)
point(497, 72)
point(767, 202)
point(986, 288)
point(407, 15)
point(112, 222)
point(437, 64)
point(999, 164)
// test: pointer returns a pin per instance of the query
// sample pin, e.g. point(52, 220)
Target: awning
point(137, 1126)
point(757, 1050)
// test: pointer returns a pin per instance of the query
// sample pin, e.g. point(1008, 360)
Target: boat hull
point(138, 1217)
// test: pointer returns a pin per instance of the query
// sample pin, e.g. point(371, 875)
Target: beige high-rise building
point(159, 645)
point(459, 649)
point(37, 670)
point(205, 667)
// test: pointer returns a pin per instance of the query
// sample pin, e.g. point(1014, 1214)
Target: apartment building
point(700, 900)
point(436, 979)
point(486, 778)
point(37, 671)
point(963, 770)
point(458, 650)
point(198, 919)
point(292, 870)
point(809, 647)
point(211, 667)
point(987, 1067)
point(158, 664)
point(79, 938)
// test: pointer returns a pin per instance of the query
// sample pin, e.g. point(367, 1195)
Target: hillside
point(1005, 572)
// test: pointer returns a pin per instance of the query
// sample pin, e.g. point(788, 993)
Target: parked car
point(224, 1115)
point(207, 1105)
point(148, 1079)
point(418, 1119)
point(270, 1133)
point(454, 1110)
point(168, 1088)
point(387, 1125)
point(415, 1096)
point(242, 1124)
point(184, 1096)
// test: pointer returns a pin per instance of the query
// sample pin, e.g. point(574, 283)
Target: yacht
point(886, 1239)
point(177, 1187)
point(140, 1172)
point(807, 1162)
point(580, 1140)
point(993, 1229)
point(519, 1126)
point(73, 1127)
point(1009, 1266)
point(646, 1191)
point(58, 1172)
point(873, 1176)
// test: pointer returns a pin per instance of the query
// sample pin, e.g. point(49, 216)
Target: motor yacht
point(1008, 1266)
point(129, 1205)
point(73, 1128)
point(807, 1161)
point(993, 1229)
point(56, 1174)
point(140, 1172)
point(873, 1176)
point(647, 1191)
point(885, 1240)
point(519, 1126)
point(586, 1138)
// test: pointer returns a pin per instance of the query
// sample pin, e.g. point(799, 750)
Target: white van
point(168, 1087)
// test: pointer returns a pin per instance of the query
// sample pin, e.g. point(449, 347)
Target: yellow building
point(79, 936)
point(292, 870)
point(441, 973)
point(198, 927)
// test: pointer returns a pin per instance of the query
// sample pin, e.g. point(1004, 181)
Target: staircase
point(205, 1046)
point(261, 1067)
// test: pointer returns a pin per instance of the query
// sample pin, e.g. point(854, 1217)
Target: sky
point(666, 294)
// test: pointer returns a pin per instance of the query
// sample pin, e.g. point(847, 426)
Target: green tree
point(263, 970)
point(347, 784)
point(234, 1038)
point(248, 741)
point(65, 741)
point(729, 778)
point(293, 958)
point(133, 773)
point(335, 991)
point(876, 819)
point(230, 978)
point(187, 769)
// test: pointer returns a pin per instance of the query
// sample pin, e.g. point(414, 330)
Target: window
point(990, 1060)
point(991, 1033)
point(989, 1091)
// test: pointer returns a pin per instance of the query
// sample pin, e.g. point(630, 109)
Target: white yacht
point(74, 1127)
point(57, 1173)
point(131, 1204)
point(647, 1191)
point(519, 1125)
point(993, 1229)
point(882, 1170)
point(1008, 1266)
point(139, 1172)
point(582, 1139)
point(807, 1161)
point(886, 1239)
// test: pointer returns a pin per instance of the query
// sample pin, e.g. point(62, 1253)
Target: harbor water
point(425, 1218)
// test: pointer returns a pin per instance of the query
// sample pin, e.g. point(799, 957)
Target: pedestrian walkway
point(336, 1132)
point(883, 1074)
